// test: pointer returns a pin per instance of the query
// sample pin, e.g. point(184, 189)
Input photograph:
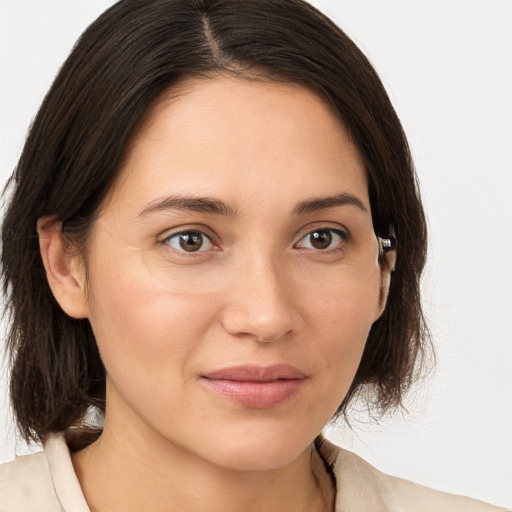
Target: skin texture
point(256, 293)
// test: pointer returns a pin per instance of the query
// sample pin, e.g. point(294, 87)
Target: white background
point(447, 65)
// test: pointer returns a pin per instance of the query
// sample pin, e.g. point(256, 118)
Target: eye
point(189, 241)
point(323, 239)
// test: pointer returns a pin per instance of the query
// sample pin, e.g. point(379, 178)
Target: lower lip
point(256, 395)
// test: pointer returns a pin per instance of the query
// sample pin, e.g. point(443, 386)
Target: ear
point(387, 261)
point(64, 268)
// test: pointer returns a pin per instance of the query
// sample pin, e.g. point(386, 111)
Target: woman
point(229, 243)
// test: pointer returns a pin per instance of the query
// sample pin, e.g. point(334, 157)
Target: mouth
point(256, 387)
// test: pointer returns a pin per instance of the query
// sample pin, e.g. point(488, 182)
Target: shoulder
point(359, 483)
point(26, 485)
point(43, 482)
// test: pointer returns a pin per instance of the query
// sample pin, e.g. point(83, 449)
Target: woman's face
point(233, 273)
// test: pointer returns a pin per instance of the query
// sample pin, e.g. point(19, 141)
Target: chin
point(247, 459)
point(265, 450)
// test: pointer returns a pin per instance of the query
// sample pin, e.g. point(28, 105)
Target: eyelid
point(339, 231)
point(320, 226)
point(195, 228)
point(198, 228)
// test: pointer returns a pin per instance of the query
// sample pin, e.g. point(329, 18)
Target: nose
point(260, 303)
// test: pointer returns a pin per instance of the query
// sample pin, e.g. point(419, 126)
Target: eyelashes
point(189, 242)
point(324, 239)
point(320, 240)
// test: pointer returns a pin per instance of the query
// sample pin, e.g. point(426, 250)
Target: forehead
point(225, 136)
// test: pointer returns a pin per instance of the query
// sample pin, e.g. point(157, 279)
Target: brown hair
point(121, 64)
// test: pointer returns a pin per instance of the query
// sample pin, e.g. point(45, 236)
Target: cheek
point(348, 306)
point(342, 315)
point(141, 326)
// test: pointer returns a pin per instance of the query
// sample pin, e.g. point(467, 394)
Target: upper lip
point(250, 373)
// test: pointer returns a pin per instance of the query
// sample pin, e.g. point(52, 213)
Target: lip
point(256, 387)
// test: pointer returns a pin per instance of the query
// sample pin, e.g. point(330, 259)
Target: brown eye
point(189, 241)
point(322, 239)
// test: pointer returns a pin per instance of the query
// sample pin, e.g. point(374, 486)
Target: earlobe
point(385, 283)
point(63, 267)
point(387, 261)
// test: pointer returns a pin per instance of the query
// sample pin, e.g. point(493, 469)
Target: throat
point(111, 482)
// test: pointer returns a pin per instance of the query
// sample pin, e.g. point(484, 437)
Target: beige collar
point(358, 485)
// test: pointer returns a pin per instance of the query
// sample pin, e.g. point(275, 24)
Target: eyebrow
point(323, 203)
point(217, 207)
point(194, 204)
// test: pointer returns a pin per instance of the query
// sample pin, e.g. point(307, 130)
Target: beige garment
point(46, 482)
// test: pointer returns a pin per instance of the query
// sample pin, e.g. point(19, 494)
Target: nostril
point(270, 340)
point(257, 326)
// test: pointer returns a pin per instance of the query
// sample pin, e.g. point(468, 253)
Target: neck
point(134, 472)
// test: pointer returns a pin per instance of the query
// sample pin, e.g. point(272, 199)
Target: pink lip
point(254, 386)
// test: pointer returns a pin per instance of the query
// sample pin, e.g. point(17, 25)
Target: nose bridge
point(260, 303)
